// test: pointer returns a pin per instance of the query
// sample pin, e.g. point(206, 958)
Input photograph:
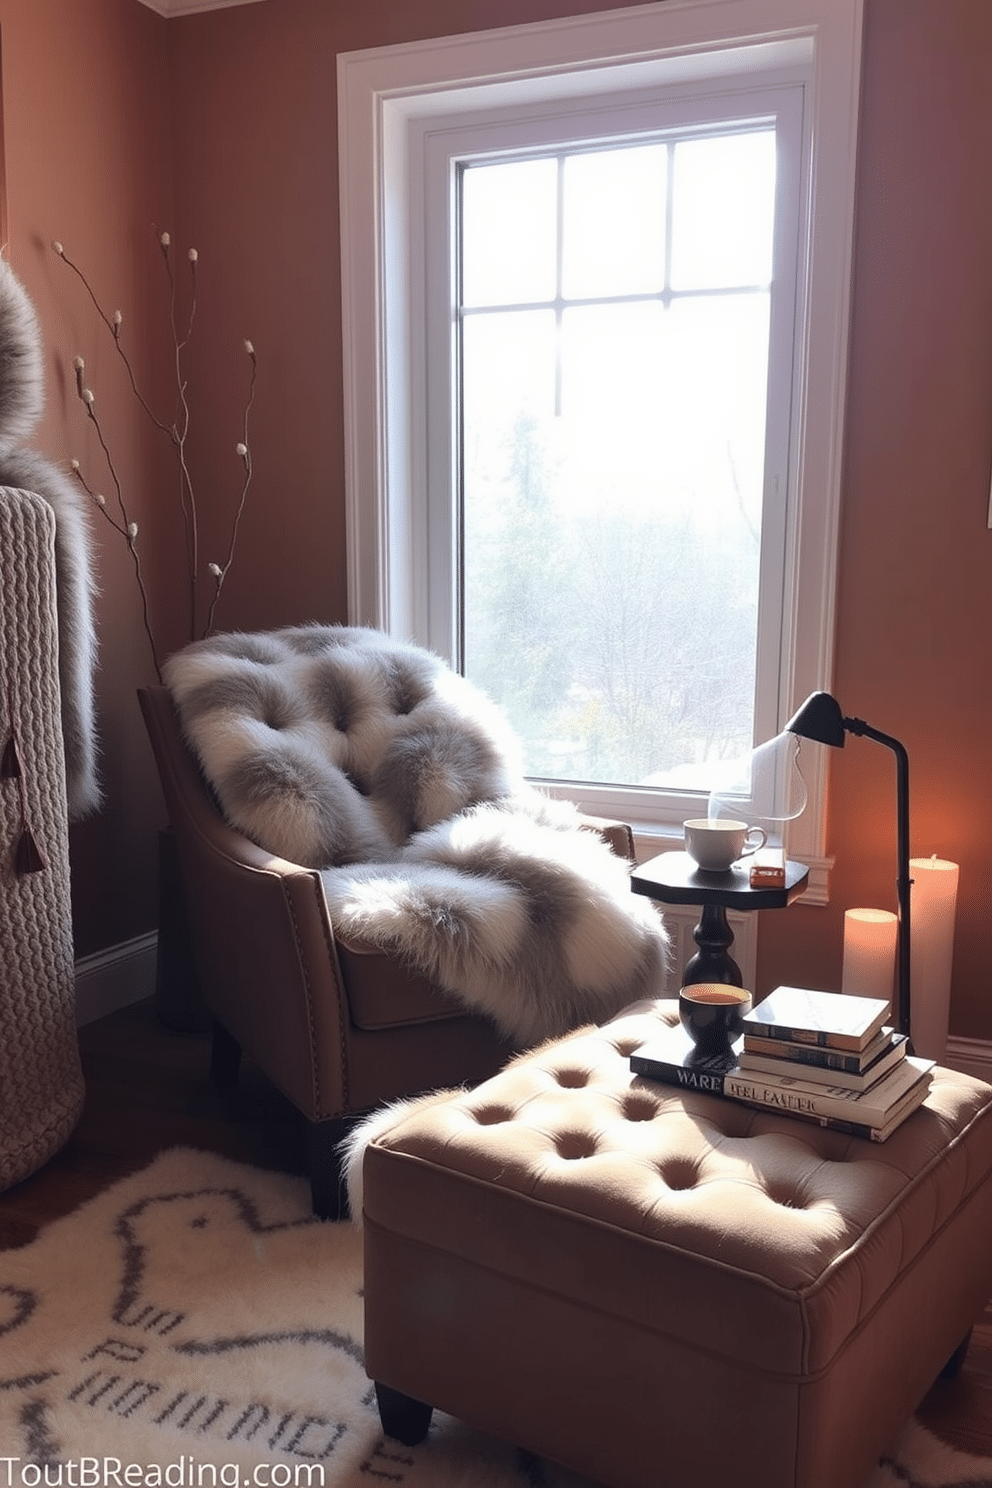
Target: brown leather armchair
point(337, 1029)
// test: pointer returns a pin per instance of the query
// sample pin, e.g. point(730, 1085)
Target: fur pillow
point(332, 744)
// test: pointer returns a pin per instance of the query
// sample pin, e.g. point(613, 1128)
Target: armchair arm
point(617, 835)
point(255, 920)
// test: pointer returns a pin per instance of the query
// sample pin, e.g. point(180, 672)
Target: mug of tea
point(714, 844)
point(712, 1014)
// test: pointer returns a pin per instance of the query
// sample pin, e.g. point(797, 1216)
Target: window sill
point(649, 841)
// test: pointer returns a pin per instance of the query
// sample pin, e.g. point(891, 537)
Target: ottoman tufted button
point(575, 1145)
point(571, 1079)
point(785, 1197)
point(492, 1115)
point(636, 1106)
point(626, 1046)
point(678, 1173)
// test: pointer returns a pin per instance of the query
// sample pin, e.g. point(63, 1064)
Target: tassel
point(28, 857)
point(10, 763)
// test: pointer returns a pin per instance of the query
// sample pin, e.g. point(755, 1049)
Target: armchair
point(378, 782)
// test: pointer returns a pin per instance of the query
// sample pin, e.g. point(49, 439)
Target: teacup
point(712, 1014)
point(715, 844)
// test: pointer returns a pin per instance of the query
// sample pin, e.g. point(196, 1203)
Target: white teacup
point(715, 844)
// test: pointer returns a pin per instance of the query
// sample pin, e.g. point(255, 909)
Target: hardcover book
point(671, 1057)
point(835, 1020)
point(886, 1055)
point(851, 1128)
point(873, 1107)
point(855, 1061)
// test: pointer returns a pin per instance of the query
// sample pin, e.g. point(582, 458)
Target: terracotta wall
point(914, 633)
point(88, 145)
point(240, 104)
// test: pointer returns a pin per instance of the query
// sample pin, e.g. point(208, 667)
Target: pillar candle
point(869, 952)
point(932, 905)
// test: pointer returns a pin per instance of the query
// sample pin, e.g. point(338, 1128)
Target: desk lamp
point(765, 788)
point(820, 718)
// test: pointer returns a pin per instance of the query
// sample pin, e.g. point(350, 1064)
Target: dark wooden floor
point(147, 1088)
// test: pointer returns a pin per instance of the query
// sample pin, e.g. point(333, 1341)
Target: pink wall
point(239, 106)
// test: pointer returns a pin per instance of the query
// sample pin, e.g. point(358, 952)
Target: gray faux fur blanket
point(21, 402)
point(339, 748)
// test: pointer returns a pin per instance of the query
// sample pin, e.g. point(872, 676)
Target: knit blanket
point(21, 401)
point(340, 749)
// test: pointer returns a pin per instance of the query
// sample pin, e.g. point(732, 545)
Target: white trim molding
point(970, 1057)
point(125, 974)
point(192, 7)
point(115, 977)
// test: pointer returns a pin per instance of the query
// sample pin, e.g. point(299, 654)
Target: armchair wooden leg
point(225, 1057)
point(328, 1194)
point(952, 1368)
point(404, 1419)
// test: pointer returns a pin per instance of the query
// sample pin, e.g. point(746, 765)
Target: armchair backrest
point(334, 744)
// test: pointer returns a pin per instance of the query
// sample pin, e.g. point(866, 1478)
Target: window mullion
point(559, 276)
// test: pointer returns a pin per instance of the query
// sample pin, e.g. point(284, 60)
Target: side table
point(673, 878)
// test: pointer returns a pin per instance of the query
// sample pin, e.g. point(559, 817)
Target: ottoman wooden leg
point(403, 1418)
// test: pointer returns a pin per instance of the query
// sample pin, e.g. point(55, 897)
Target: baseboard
point(970, 1057)
point(113, 978)
point(125, 973)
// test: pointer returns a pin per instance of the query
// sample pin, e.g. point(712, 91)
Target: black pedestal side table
point(673, 878)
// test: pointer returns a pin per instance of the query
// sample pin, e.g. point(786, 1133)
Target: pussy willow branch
point(177, 432)
point(180, 427)
point(114, 327)
point(219, 571)
point(127, 529)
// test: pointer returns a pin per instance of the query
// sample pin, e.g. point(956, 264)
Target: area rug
point(193, 1325)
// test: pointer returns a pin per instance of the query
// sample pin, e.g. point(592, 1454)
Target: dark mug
point(712, 1014)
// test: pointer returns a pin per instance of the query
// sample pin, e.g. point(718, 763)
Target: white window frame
point(388, 101)
point(437, 144)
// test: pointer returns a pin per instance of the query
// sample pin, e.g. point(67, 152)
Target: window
point(613, 337)
point(531, 488)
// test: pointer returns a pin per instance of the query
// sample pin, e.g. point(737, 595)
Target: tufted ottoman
point(660, 1288)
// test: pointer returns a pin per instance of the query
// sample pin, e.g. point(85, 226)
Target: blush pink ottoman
point(654, 1287)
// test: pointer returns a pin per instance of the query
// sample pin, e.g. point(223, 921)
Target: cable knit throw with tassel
point(341, 749)
point(21, 402)
point(47, 759)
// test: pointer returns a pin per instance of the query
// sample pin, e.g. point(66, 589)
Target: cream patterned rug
point(193, 1325)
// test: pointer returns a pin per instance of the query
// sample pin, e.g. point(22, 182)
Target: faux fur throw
point(341, 749)
point(21, 401)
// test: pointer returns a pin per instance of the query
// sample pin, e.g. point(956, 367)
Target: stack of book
point(822, 1056)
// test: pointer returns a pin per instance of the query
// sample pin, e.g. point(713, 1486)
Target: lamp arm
point(903, 880)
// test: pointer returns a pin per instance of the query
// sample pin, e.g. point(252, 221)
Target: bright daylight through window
point(595, 288)
point(614, 352)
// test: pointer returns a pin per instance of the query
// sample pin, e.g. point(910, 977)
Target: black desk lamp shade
point(820, 718)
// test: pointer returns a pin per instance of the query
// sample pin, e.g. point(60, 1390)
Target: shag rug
point(193, 1323)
